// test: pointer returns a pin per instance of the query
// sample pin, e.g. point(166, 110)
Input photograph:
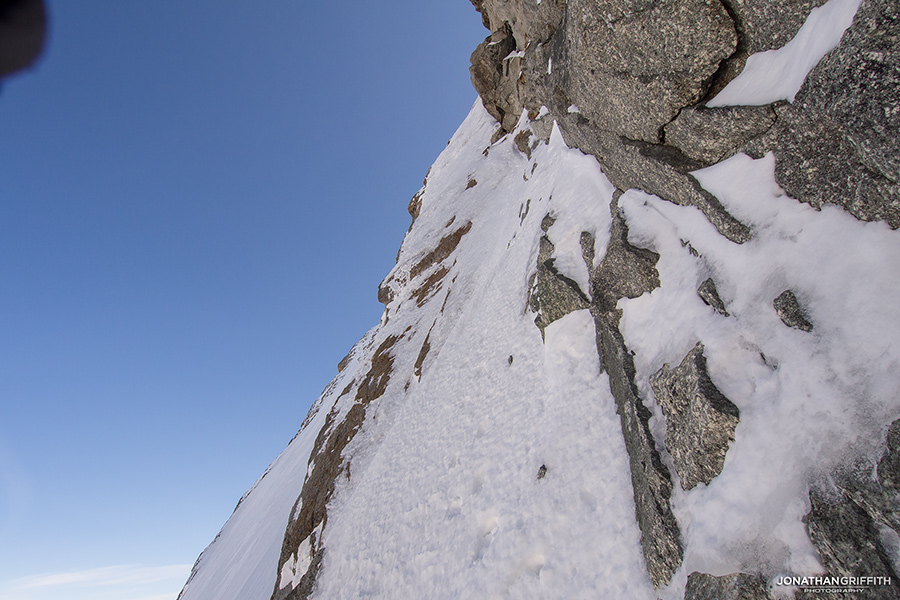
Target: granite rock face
point(605, 83)
point(700, 420)
point(631, 88)
point(761, 25)
point(490, 70)
point(837, 143)
point(854, 91)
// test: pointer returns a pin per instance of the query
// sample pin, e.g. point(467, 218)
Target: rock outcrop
point(700, 420)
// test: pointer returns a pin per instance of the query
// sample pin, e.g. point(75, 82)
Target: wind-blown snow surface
point(493, 466)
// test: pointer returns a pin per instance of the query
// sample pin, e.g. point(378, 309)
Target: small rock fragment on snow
point(710, 295)
point(789, 311)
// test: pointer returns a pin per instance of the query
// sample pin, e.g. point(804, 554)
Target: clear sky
point(197, 203)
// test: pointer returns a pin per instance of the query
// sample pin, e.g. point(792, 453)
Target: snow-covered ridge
point(558, 318)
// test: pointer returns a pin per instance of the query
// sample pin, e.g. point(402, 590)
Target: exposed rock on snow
point(710, 295)
point(854, 524)
point(650, 480)
point(554, 295)
point(700, 420)
point(837, 143)
point(302, 540)
point(737, 586)
point(628, 272)
point(761, 25)
point(789, 311)
point(847, 540)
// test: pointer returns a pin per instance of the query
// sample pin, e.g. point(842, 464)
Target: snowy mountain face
point(642, 339)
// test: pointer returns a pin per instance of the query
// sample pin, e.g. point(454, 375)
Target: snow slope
point(493, 465)
point(240, 563)
point(445, 498)
point(490, 460)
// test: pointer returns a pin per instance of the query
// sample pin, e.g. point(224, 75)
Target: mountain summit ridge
point(637, 343)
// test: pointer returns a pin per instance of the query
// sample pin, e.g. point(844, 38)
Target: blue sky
point(197, 203)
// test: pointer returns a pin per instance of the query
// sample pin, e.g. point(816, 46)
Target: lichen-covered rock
point(700, 420)
point(736, 586)
point(789, 311)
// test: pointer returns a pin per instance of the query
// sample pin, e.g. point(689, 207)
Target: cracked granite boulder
point(630, 87)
